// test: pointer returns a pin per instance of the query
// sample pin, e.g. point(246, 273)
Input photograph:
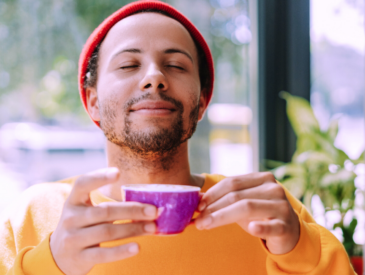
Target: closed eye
point(129, 67)
point(177, 67)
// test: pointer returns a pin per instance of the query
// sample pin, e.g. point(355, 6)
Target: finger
point(266, 229)
point(266, 191)
point(99, 255)
point(82, 216)
point(244, 210)
point(94, 235)
point(234, 184)
point(89, 182)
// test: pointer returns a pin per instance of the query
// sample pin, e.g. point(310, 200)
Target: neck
point(172, 168)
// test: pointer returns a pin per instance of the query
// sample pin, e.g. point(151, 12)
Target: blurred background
point(314, 50)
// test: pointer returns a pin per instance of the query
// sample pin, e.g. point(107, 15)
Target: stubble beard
point(157, 145)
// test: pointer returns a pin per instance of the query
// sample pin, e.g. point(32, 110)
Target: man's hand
point(82, 227)
point(255, 202)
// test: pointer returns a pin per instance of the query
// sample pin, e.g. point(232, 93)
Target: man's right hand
point(82, 226)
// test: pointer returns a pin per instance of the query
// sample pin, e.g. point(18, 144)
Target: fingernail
point(133, 249)
point(150, 228)
point(202, 206)
point(150, 211)
point(207, 221)
point(112, 173)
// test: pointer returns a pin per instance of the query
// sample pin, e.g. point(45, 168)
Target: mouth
point(153, 107)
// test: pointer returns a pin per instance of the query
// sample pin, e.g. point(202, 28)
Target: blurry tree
point(231, 35)
point(40, 41)
point(92, 12)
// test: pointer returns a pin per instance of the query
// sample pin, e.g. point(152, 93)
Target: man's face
point(147, 95)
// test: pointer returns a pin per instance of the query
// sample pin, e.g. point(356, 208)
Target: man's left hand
point(256, 203)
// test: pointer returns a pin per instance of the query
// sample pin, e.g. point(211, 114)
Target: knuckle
point(280, 228)
point(133, 210)
point(102, 212)
point(234, 183)
point(285, 208)
point(209, 210)
point(85, 257)
point(248, 205)
point(69, 239)
point(107, 212)
point(266, 229)
point(69, 221)
point(98, 256)
point(107, 231)
point(80, 183)
point(138, 230)
point(233, 197)
point(90, 213)
point(277, 191)
point(137, 211)
point(96, 175)
point(217, 218)
point(268, 176)
point(134, 229)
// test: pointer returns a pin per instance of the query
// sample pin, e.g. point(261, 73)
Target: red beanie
point(100, 32)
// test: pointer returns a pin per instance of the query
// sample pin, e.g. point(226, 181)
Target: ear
point(202, 104)
point(92, 103)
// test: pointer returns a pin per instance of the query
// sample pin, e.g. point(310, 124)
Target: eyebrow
point(131, 50)
point(168, 51)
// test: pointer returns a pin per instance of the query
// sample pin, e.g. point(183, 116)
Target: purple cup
point(177, 203)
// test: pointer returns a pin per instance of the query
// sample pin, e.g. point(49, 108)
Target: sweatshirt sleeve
point(30, 260)
point(318, 251)
point(25, 229)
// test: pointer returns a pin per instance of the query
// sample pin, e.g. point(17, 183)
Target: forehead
point(148, 31)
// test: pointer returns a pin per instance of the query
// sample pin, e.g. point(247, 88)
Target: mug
point(176, 203)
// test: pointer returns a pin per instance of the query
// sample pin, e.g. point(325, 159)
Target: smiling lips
point(154, 108)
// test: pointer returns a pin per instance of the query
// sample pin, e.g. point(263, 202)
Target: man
point(146, 78)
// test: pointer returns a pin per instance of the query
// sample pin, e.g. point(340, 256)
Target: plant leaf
point(272, 164)
point(314, 158)
point(305, 143)
point(300, 114)
point(360, 159)
point(340, 177)
point(296, 186)
point(289, 170)
point(333, 129)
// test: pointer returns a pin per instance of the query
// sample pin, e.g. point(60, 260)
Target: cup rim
point(170, 188)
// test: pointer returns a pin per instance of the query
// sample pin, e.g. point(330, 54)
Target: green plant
point(318, 167)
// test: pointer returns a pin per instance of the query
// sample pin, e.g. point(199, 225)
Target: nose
point(154, 80)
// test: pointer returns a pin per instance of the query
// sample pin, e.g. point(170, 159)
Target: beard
point(155, 143)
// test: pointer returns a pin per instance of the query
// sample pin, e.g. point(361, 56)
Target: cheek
point(115, 92)
point(113, 85)
point(190, 101)
point(111, 105)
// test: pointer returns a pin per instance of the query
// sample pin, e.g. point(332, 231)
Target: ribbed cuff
point(39, 261)
point(304, 257)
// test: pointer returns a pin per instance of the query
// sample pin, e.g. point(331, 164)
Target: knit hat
point(100, 32)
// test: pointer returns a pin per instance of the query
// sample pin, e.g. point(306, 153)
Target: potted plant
point(319, 168)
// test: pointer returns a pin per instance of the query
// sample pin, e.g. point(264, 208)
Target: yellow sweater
point(25, 228)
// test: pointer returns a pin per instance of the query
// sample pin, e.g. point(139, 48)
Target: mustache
point(161, 96)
